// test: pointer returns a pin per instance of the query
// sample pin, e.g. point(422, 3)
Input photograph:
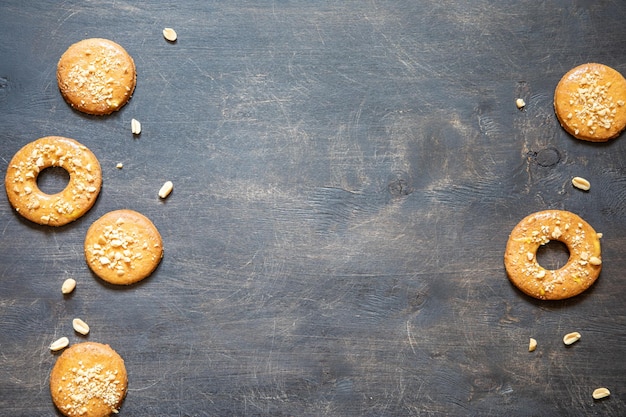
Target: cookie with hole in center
point(590, 102)
point(123, 247)
point(579, 273)
point(89, 380)
point(58, 209)
point(96, 76)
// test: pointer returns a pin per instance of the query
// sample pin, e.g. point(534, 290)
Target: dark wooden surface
point(346, 175)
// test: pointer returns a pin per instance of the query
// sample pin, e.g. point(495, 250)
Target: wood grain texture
point(345, 178)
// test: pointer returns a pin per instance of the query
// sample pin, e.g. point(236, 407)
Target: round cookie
point(578, 274)
point(96, 76)
point(589, 102)
point(89, 380)
point(123, 247)
point(65, 206)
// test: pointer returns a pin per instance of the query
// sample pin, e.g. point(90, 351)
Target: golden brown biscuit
point(581, 270)
point(89, 380)
point(123, 247)
point(96, 76)
point(589, 102)
point(63, 207)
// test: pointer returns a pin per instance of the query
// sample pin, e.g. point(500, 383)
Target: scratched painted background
point(346, 175)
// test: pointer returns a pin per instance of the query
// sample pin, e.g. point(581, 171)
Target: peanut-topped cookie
point(123, 247)
point(590, 102)
point(582, 268)
point(96, 76)
point(65, 206)
point(88, 380)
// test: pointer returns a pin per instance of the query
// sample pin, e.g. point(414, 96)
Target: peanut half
point(80, 326)
point(166, 189)
point(581, 183)
point(59, 344)
point(594, 260)
point(170, 34)
point(68, 286)
point(600, 393)
point(135, 126)
point(570, 338)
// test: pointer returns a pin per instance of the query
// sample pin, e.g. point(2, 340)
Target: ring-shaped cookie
point(580, 271)
point(65, 206)
point(89, 379)
point(590, 102)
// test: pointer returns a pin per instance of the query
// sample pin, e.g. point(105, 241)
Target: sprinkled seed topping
point(532, 345)
point(520, 103)
point(596, 108)
point(96, 84)
point(83, 384)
